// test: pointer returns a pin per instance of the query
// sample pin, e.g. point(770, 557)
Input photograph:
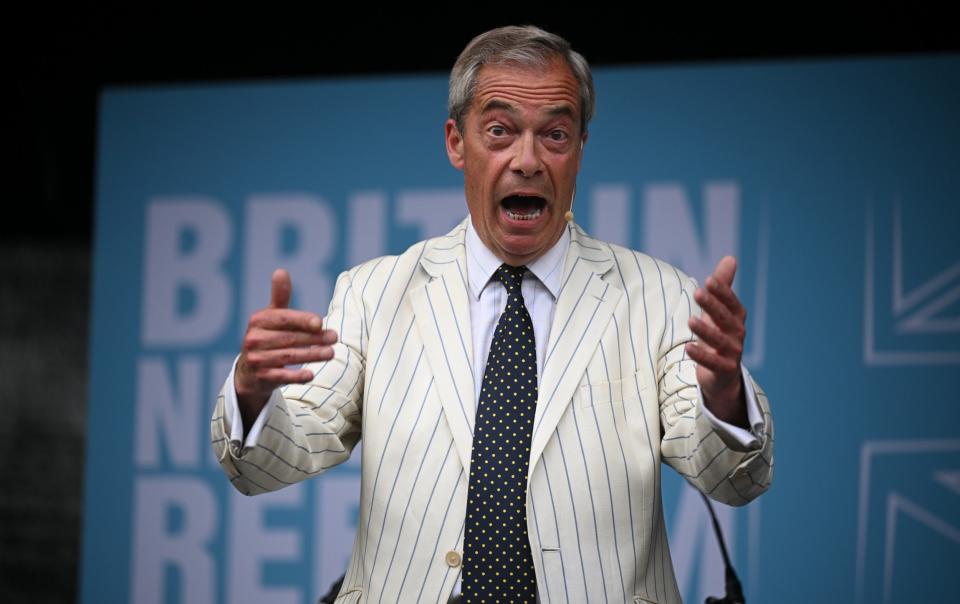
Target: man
point(516, 382)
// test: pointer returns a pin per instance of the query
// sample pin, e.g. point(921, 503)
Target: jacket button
point(453, 558)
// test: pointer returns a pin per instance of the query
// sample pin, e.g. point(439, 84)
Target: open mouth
point(523, 207)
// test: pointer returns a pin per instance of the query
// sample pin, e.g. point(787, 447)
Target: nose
point(526, 159)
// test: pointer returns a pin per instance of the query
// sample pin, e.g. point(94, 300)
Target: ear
point(454, 142)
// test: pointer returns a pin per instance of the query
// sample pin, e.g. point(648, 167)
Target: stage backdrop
point(835, 183)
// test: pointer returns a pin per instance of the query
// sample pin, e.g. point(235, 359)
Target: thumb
point(280, 288)
point(725, 271)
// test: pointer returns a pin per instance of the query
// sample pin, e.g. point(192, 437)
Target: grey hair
point(527, 46)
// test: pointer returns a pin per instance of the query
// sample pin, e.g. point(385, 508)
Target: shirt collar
point(482, 263)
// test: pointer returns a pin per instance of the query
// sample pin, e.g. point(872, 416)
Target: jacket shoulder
point(378, 275)
point(634, 265)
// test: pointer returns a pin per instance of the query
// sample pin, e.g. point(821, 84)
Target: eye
point(558, 135)
point(497, 130)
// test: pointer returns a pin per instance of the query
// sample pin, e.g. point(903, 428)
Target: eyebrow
point(498, 105)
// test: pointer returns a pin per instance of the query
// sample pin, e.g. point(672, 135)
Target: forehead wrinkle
point(534, 93)
point(549, 95)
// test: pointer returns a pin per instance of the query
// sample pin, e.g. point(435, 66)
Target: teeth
point(531, 216)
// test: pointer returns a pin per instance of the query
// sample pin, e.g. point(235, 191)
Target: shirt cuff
point(735, 436)
point(231, 413)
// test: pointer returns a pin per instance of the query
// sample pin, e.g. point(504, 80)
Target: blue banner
point(835, 184)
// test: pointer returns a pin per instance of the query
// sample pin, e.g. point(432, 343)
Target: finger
point(266, 359)
point(727, 297)
point(280, 288)
point(726, 269)
point(705, 357)
point(717, 312)
point(274, 378)
point(285, 318)
point(272, 339)
point(721, 342)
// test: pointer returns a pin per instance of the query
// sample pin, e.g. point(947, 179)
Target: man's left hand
point(721, 331)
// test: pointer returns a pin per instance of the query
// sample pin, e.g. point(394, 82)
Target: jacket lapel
point(442, 315)
point(584, 307)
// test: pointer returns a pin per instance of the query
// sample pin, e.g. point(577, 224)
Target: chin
point(522, 247)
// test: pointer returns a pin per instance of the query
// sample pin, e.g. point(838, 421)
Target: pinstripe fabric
point(617, 397)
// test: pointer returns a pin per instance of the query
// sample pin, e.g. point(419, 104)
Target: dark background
point(60, 59)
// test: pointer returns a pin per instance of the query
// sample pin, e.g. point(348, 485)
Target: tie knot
point(511, 276)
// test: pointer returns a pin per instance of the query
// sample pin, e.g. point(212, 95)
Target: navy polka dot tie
point(497, 565)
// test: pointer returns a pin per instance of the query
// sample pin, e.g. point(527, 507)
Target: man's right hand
point(278, 336)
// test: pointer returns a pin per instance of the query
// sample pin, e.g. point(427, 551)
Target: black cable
point(734, 590)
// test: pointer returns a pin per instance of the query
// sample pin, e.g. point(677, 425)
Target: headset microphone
point(569, 213)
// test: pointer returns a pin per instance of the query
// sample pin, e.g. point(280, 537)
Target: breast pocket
point(632, 387)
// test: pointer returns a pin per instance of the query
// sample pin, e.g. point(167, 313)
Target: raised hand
point(276, 337)
point(721, 331)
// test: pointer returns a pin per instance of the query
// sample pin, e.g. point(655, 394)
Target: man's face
point(520, 152)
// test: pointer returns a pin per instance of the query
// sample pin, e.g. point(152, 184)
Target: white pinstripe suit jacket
point(617, 397)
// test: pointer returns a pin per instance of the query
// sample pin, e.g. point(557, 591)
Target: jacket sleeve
point(310, 427)
point(691, 443)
